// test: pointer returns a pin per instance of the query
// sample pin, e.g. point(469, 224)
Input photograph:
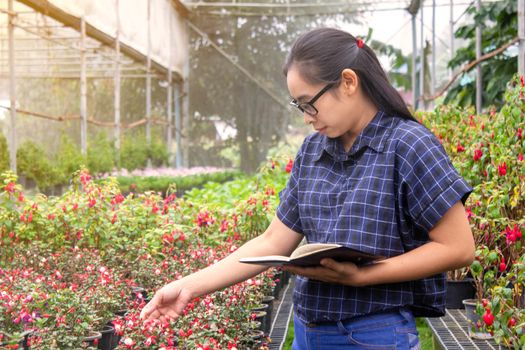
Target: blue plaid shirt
point(382, 197)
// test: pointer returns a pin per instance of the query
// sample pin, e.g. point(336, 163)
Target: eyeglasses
point(308, 107)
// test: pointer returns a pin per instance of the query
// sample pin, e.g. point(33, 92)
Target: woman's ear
point(349, 81)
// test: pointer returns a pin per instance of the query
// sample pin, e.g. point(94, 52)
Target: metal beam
point(12, 88)
point(116, 83)
point(45, 7)
point(83, 89)
point(479, 78)
point(521, 36)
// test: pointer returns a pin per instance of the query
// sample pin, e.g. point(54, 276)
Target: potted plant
point(484, 270)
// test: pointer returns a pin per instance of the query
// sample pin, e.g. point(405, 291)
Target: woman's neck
point(368, 112)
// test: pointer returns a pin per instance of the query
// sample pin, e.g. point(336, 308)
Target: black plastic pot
point(93, 339)
point(457, 291)
point(266, 321)
point(24, 340)
point(109, 340)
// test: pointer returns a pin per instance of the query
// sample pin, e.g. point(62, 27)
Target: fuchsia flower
point(513, 234)
point(477, 154)
point(502, 169)
point(10, 187)
point(289, 166)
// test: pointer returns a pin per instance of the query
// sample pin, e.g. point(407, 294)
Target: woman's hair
point(320, 56)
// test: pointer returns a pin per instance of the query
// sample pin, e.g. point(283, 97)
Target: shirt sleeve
point(288, 208)
point(429, 183)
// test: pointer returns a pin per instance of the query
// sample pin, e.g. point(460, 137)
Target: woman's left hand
point(330, 271)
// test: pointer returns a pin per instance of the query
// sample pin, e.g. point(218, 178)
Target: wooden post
point(116, 86)
point(12, 88)
point(83, 88)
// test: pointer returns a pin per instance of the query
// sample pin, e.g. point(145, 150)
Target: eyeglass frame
point(310, 103)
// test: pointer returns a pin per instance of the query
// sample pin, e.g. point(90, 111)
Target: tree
point(218, 88)
point(499, 26)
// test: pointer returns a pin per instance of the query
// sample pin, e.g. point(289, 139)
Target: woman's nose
point(308, 119)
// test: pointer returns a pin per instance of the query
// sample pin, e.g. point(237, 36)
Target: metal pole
point(169, 129)
point(451, 23)
point(178, 156)
point(433, 84)
point(116, 83)
point(185, 112)
point(12, 90)
point(422, 57)
point(83, 88)
point(479, 81)
point(414, 63)
point(148, 85)
point(521, 35)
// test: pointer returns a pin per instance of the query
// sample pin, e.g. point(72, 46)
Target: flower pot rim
point(466, 279)
point(470, 302)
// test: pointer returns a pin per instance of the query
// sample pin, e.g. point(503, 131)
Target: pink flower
point(129, 342)
point(520, 157)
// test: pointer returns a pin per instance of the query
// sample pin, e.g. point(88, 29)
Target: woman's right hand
point(167, 303)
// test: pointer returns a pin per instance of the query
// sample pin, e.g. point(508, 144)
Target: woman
point(371, 178)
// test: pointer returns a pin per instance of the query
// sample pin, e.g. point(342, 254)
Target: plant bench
point(451, 332)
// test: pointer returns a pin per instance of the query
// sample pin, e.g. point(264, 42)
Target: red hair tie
point(360, 43)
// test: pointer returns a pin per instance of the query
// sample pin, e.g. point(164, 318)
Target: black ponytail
point(322, 54)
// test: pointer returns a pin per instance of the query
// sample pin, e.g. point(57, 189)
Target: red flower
point(520, 157)
point(289, 166)
point(522, 81)
point(488, 318)
point(502, 169)
point(520, 133)
point(460, 148)
point(477, 154)
point(10, 187)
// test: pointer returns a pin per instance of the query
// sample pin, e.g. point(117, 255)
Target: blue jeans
point(379, 331)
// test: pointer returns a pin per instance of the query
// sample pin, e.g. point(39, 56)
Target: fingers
point(333, 265)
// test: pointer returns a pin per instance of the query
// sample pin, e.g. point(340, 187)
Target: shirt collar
point(374, 136)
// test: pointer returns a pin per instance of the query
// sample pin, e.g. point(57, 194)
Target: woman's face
point(335, 115)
